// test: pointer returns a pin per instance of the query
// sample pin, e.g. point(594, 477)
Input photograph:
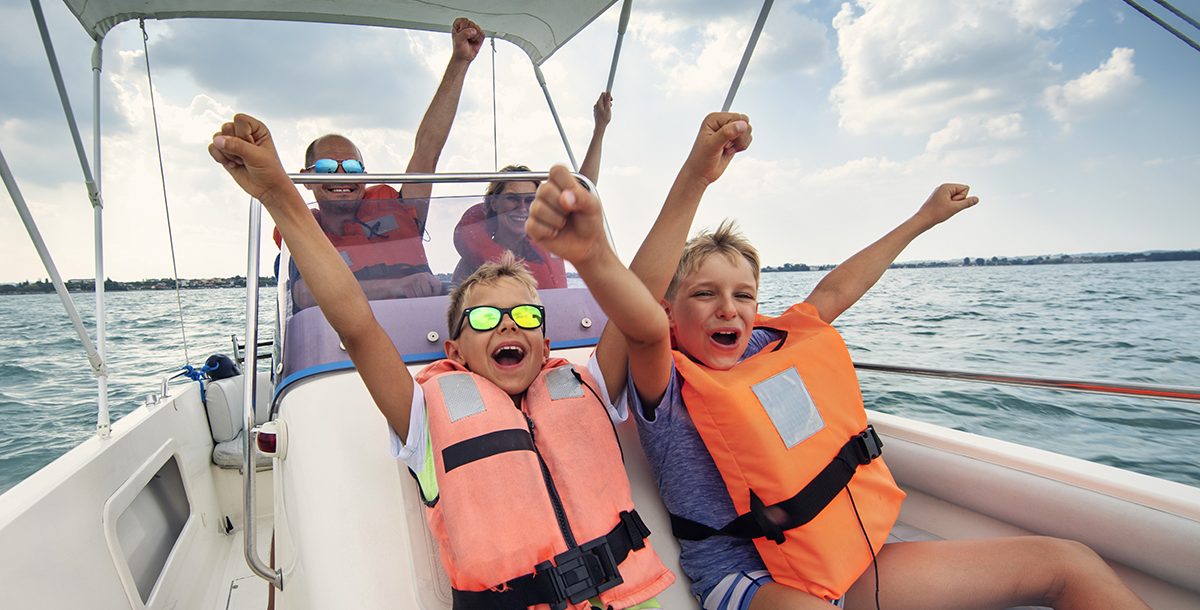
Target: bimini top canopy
point(539, 27)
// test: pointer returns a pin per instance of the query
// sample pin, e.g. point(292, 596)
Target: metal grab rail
point(249, 394)
point(459, 178)
point(1184, 394)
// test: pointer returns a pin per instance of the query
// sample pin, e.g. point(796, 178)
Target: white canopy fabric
point(539, 27)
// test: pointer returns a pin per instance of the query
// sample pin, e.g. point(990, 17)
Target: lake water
point(1137, 322)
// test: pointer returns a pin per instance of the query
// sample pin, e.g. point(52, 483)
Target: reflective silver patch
point(790, 407)
point(561, 383)
point(384, 224)
point(462, 397)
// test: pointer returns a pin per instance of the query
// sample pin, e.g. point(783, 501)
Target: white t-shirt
point(414, 451)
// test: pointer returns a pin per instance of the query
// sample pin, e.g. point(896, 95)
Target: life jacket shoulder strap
point(860, 450)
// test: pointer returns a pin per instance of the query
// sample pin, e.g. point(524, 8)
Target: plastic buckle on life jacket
point(582, 573)
point(869, 445)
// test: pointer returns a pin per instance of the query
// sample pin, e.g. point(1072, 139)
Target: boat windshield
point(411, 248)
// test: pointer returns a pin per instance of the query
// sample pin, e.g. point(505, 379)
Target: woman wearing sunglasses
point(490, 228)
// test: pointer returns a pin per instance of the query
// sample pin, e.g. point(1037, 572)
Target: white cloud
point(700, 53)
point(1045, 14)
point(908, 66)
point(1095, 92)
point(978, 140)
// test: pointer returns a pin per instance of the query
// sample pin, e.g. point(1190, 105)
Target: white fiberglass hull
point(349, 531)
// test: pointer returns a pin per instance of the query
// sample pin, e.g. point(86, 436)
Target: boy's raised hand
point(946, 201)
point(566, 219)
point(722, 135)
point(245, 148)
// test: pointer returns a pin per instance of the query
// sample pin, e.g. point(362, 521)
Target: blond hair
point(727, 240)
point(494, 188)
point(489, 274)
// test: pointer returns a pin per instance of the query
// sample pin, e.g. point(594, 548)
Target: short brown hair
point(488, 274)
point(726, 240)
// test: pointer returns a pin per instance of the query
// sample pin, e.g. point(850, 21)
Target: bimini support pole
point(541, 78)
point(621, 27)
point(249, 393)
point(102, 417)
point(750, 44)
point(99, 368)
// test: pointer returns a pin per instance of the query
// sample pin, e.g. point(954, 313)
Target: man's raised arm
point(435, 126)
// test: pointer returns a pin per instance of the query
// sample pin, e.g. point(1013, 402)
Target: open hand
point(467, 37)
point(722, 135)
point(946, 201)
point(245, 148)
point(566, 219)
point(602, 111)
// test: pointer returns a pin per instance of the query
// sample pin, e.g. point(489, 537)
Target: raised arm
point(435, 126)
point(601, 114)
point(846, 283)
point(722, 135)
point(568, 221)
point(245, 148)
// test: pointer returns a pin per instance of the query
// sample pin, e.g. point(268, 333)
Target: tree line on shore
point(110, 285)
point(237, 281)
point(1059, 259)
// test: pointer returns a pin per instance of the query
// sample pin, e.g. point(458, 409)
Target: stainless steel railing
point(1185, 394)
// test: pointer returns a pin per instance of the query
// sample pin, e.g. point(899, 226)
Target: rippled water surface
point(1137, 322)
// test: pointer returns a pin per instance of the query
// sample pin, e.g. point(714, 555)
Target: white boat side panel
point(54, 519)
point(925, 513)
point(1045, 493)
point(350, 531)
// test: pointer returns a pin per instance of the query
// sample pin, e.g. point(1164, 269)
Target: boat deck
point(241, 588)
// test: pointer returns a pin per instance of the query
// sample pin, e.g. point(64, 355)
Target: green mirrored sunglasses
point(486, 317)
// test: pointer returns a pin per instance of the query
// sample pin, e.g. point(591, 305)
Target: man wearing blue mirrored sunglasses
point(378, 234)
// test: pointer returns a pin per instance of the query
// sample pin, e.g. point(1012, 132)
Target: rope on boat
point(1166, 26)
point(495, 128)
point(1178, 13)
point(162, 173)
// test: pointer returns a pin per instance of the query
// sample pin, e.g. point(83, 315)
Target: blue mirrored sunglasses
point(329, 166)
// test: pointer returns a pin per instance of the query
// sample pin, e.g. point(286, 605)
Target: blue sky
point(1070, 119)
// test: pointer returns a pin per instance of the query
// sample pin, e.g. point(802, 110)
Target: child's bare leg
point(774, 596)
point(992, 573)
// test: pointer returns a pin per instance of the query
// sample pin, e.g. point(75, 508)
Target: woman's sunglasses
point(486, 317)
point(330, 166)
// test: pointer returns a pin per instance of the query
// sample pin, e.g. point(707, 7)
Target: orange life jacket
point(788, 432)
point(533, 499)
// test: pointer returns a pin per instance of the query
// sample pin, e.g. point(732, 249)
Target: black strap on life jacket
point(576, 575)
point(764, 521)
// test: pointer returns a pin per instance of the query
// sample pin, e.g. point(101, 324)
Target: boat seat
point(223, 401)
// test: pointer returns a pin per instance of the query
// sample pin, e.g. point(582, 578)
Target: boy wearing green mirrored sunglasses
point(498, 370)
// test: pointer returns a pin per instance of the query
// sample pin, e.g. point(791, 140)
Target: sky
point(1068, 118)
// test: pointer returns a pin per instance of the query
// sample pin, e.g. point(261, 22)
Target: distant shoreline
point(89, 285)
point(1155, 256)
point(237, 281)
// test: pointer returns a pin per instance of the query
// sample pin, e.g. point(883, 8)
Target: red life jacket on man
point(384, 239)
point(533, 504)
point(788, 432)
